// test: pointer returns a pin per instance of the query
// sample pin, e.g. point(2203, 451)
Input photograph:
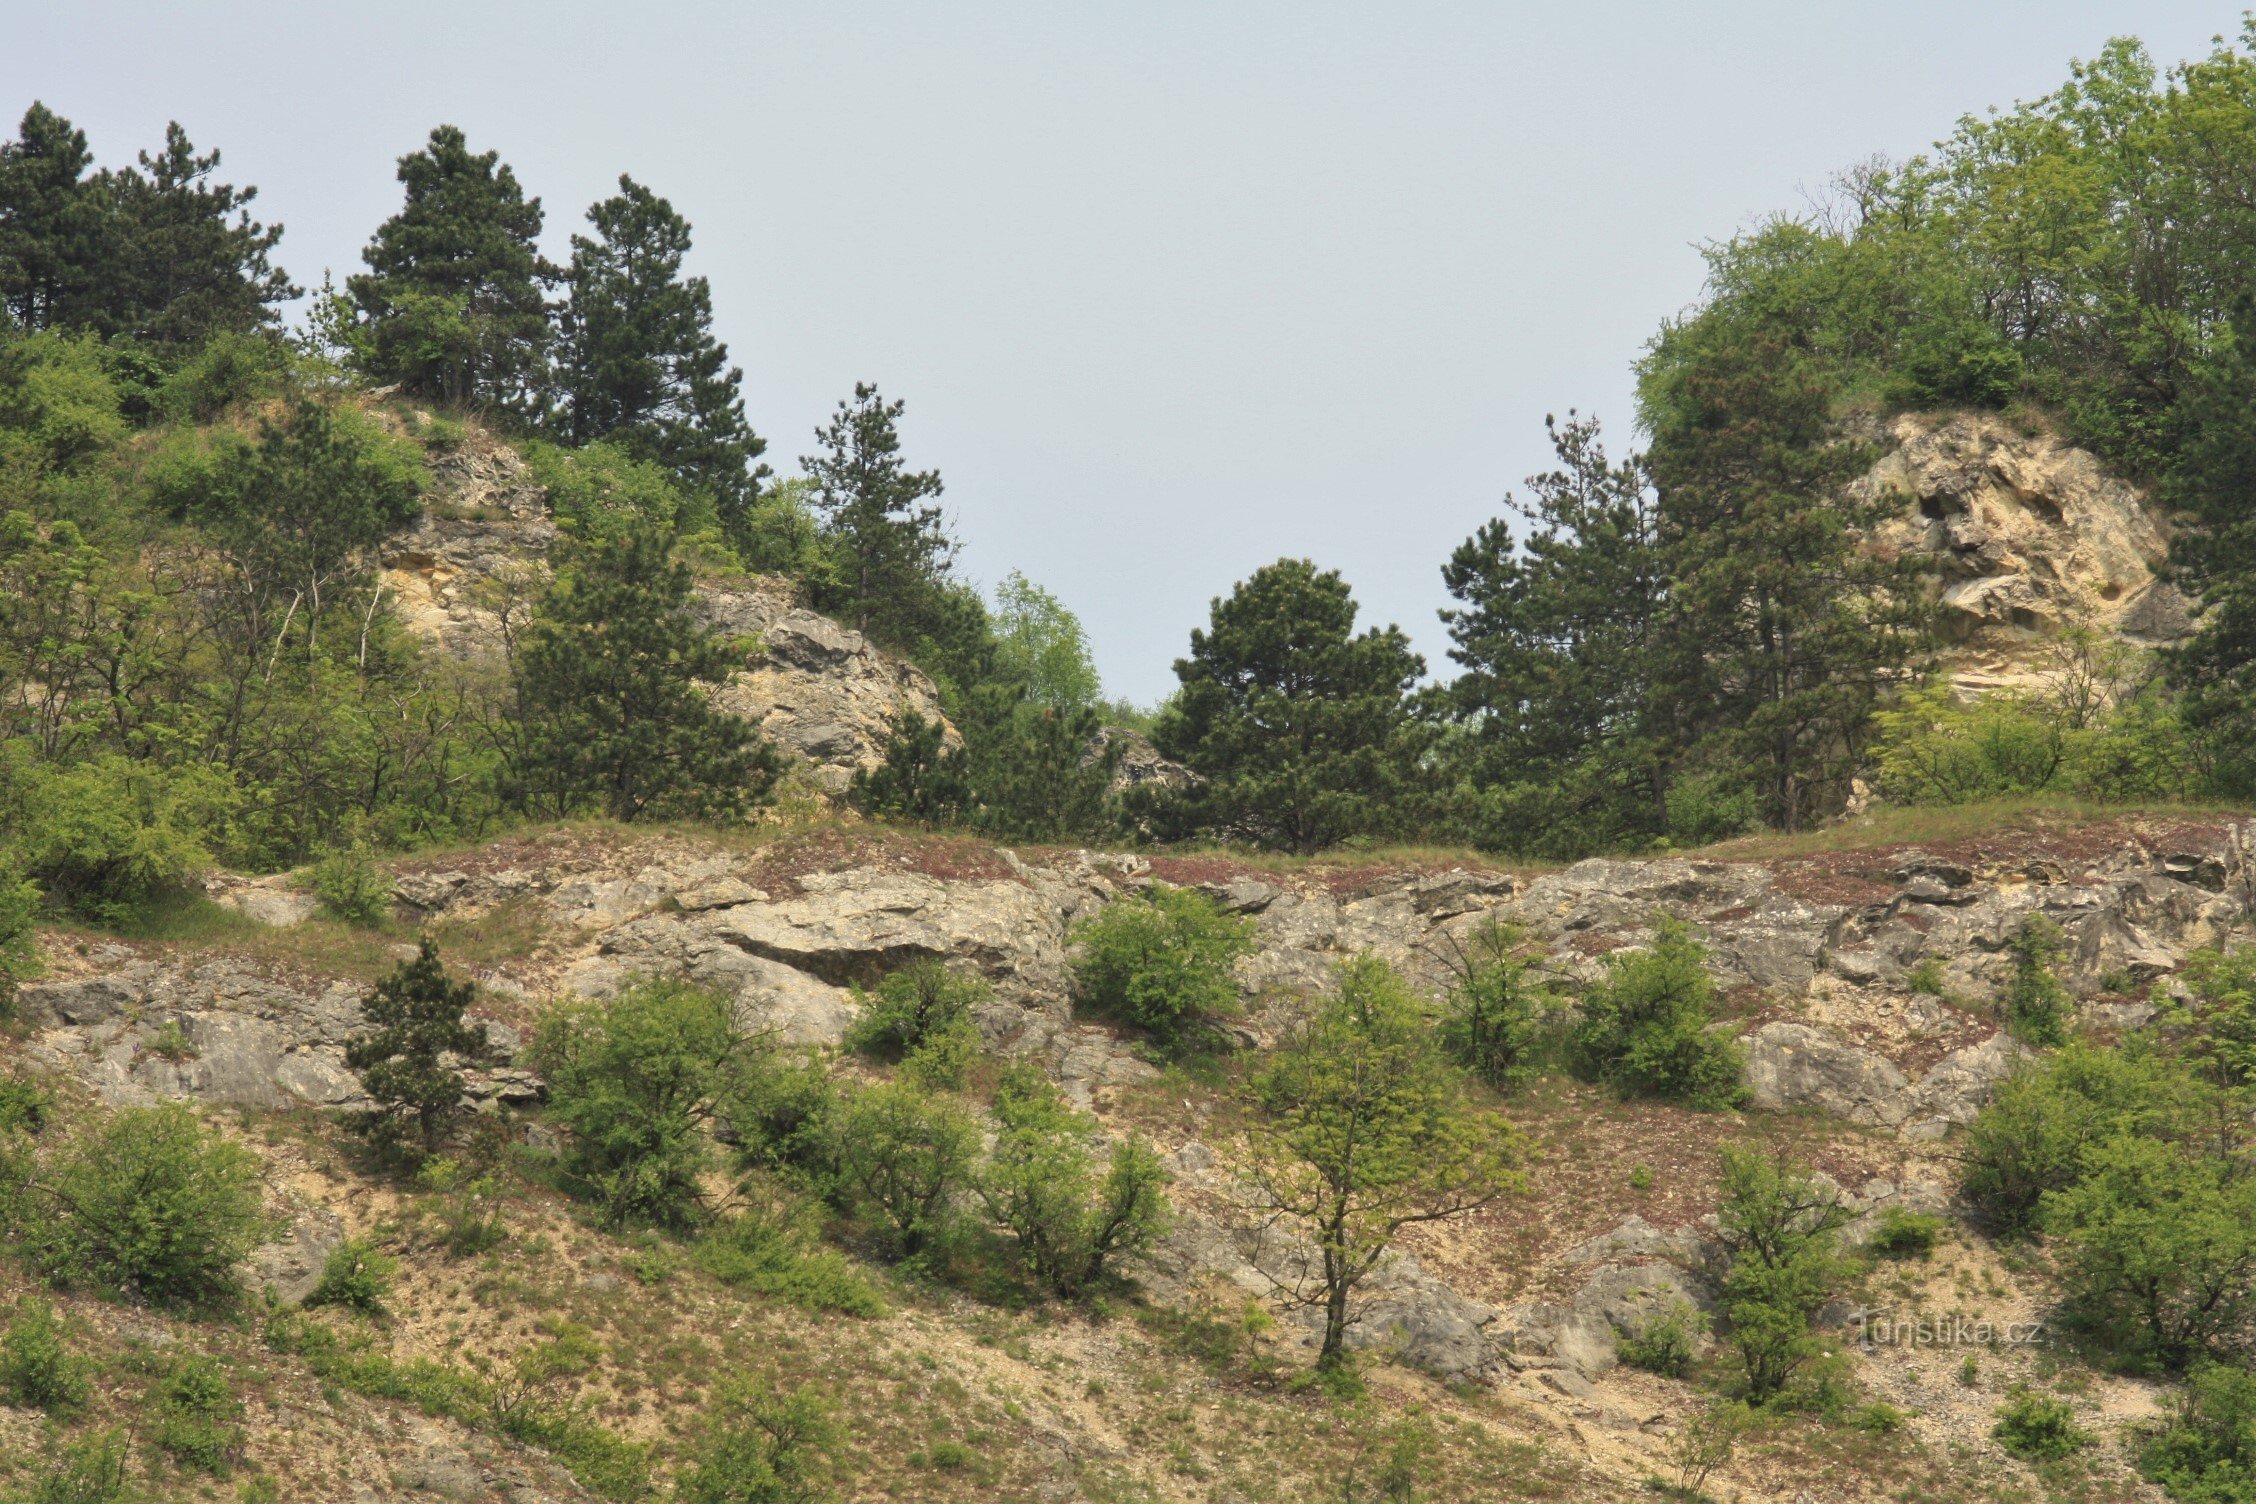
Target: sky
point(1172, 290)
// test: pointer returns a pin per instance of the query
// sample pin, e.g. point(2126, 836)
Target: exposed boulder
point(1792, 1065)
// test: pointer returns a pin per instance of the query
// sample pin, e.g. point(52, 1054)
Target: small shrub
point(1970, 1370)
point(19, 950)
point(1878, 1418)
point(1708, 1441)
point(357, 1276)
point(1927, 978)
point(198, 1418)
point(37, 1369)
point(148, 1203)
point(109, 834)
point(1162, 962)
point(2036, 1007)
point(469, 1205)
point(352, 888)
point(171, 1043)
point(1902, 1234)
point(410, 1060)
point(1640, 1178)
point(2206, 1450)
point(92, 1472)
point(1042, 1185)
point(1645, 1027)
point(912, 1007)
point(1499, 1008)
point(2032, 1137)
point(905, 1156)
point(1667, 1343)
point(762, 1447)
point(2038, 1428)
point(771, 1248)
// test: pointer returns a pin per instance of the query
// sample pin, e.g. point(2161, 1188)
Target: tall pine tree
point(452, 303)
point(54, 227)
point(189, 260)
point(1300, 725)
point(638, 363)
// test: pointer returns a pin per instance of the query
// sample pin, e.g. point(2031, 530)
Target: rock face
point(2030, 535)
point(468, 574)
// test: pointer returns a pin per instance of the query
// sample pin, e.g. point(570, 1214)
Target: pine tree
point(1557, 638)
point(416, 1023)
point(1299, 725)
point(452, 299)
point(53, 224)
point(638, 363)
point(190, 260)
point(894, 550)
point(608, 691)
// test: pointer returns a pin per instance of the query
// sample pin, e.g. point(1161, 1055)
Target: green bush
point(468, 1205)
point(1041, 1184)
point(148, 1203)
point(357, 1276)
point(109, 834)
point(634, 1081)
point(2206, 1451)
point(2031, 1139)
point(410, 1060)
point(37, 1369)
point(1902, 1234)
point(2036, 1007)
point(1499, 1009)
point(781, 1114)
point(2158, 1251)
point(352, 888)
point(1933, 749)
point(772, 1248)
point(199, 1421)
point(763, 1447)
point(1927, 978)
point(905, 1156)
point(1644, 1027)
point(92, 1471)
point(2218, 1023)
point(2038, 1428)
point(1667, 1342)
point(19, 949)
point(921, 1016)
point(1161, 961)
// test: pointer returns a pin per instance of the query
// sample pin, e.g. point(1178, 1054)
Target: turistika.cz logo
point(1885, 1329)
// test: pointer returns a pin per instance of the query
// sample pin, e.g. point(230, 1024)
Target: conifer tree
point(610, 698)
point(1299, 725)
point(416, 1024)
point(452, 303)
point(190, 261)
point(639, 365)
point(53, 225)
point(894, 551)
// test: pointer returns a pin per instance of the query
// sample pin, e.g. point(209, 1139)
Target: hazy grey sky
point(1172, 289)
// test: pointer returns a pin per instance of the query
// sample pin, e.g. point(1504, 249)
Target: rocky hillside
point(1506, 1324)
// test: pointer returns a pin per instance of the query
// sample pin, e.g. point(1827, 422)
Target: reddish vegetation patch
point(779, 866)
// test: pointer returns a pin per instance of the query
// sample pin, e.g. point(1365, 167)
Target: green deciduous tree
point(906, 1156)
point(1042, 1184)
point(608, 688)
point(638, 364)
point(1365, 1130)
point(1781, 1230)
point(2032, 1139)
point(452, 304)
point(763, 1447)
point(410, 1060)
point(1300, 726)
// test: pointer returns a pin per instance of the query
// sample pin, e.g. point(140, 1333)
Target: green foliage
point(357, 1275)
point(469, 1205)
point(1904, 1234)
point(1300, 727)
point(2158, 1251)
point(19, 942)
point(1500, 1009)
point(633, 1082)
point(638, 366)
point(146, 1202)
point(92, 1471)
point(352, 888)
point(2032, 1138)
point(763, 1447)
point(772, 1247)
point(905, 1157)
point(199, 1420)
point(783, 1114)
point(2038, 1428)
point(891, 547)
point(601, 491)
point(2037, 1008)
point(2206, 1451)
point(37, 1367)
point(920, 777)
point(1041, 644)
point(409, 1061)
point(608, 690)
point(2218, 1022)
point(1644, 1026)
point(1933, 749)
point(109, 835)
point(1926, 978)
point(1161, 960)
point(780, 534)
point(1667, 1342)
point(1364, 1131)
point(1041, 1184)
point(451, 306)
point(1781, 1231)
point(921, 1013)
